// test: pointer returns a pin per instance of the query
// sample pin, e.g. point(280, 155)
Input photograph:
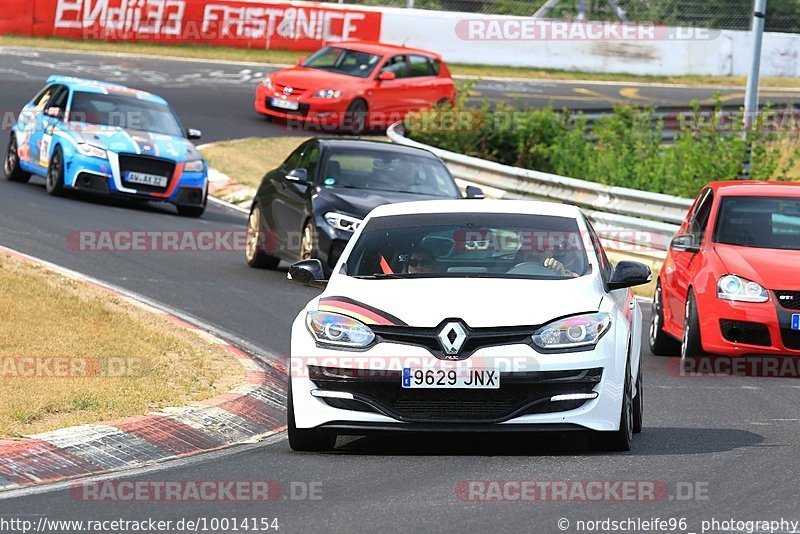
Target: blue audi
point(107, 139)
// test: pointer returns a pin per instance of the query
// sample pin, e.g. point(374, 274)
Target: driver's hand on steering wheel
point(555, 265)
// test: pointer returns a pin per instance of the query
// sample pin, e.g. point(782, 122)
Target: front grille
point(789, 299)
point(518, 394)
point(477, 338)
point(295, 90)
point(148, 165)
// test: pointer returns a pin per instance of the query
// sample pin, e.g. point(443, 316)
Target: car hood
point(122, 140)
point(479, 302)
point(359, 202)
point(305, 78)
point(772, 268)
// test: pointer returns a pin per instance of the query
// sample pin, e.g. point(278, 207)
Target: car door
point(52, 117)
point(270, 193)
point(684, 264)
point(290, 206)
point(389, 96)
point(422, 83)
point(35, 124)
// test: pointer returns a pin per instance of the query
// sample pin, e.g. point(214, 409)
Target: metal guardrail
point(636, 222)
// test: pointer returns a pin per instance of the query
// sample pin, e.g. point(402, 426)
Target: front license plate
point(285, 104)
point(796, 321)
point(146, 179)
point(419, 378)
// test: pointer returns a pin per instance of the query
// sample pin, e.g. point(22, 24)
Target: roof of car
point(364, 144)
point(99, 87)
point(383, 49)
point(522, 207)
point(756, 188)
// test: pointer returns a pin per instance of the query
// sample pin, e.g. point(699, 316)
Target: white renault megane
point(468, 316)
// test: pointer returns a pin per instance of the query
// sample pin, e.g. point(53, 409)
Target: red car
point(731, 282)
point(356, 86)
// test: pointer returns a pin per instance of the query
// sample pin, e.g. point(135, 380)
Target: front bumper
point(326, 113)
point(104, 177)
point(330, 242)
point(524, 397)
point(743, 328)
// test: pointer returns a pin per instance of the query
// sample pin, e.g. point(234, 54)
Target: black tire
point(691, 344)
point(661, 343)
point(308, 242)
point(620, 440)
point(638, 402)
point(305, 440)
point(12, 169)
point(356, 117)
point(254, 253)
point(54, 183)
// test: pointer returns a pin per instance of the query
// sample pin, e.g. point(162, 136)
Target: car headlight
point(335, 329)
point(732, 287)
point(328, 93)
point(197, 165)
point(93, 151)
point(342, 222)
point(266, 82)
point(573, 332)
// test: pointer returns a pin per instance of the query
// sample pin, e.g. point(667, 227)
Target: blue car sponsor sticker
point(796, 321)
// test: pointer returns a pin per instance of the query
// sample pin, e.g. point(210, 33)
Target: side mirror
point(54, 112)
point(191, 133)
point(685, 243)
point(307, 272)
point(301, 59)
point(629, 274)
point(298, 175)
point(386, 76)
point(475, 192)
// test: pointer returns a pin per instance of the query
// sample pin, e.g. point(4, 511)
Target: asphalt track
point(733, 439)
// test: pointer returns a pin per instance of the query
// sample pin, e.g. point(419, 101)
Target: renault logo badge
point(288, 90)
point(452, 337)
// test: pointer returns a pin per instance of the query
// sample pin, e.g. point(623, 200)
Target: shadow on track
point(651, 442)
point(222, 215)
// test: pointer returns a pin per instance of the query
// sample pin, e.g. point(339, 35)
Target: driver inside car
point(545, 255)
point(421, 261)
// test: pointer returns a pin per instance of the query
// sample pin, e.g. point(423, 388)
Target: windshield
point(759, 222)
point(343, 61)
point(388, 171)
point(125, 112)
point(464, 245)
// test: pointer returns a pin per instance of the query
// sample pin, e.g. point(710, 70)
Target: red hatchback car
point(356, 86)
point(731, 282)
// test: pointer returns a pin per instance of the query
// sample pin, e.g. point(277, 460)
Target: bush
point(623, 148)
